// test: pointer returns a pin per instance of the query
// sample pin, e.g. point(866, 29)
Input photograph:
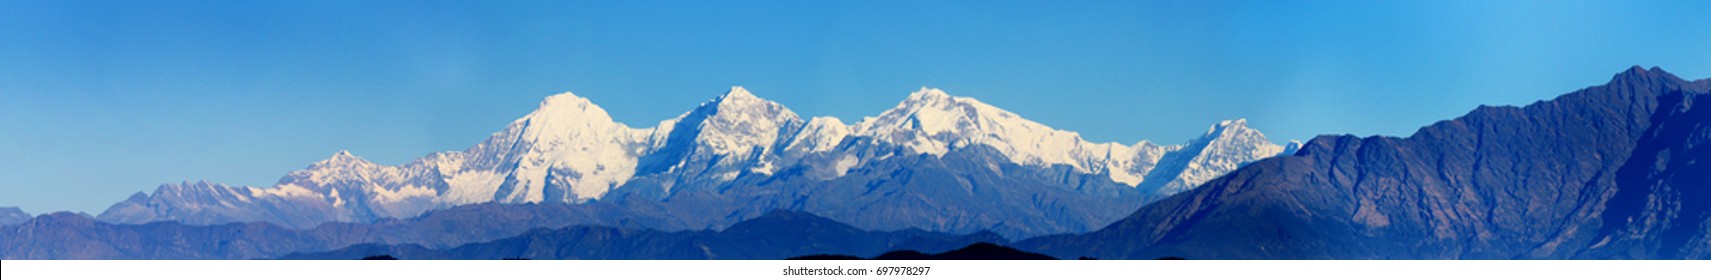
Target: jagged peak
point(201, 183)
point(1637, 69)
point(933, 102)
point(737, 101)
point(933, 113)
point(825, 121)
point(343, 154)
point(568, 105)
point(929, 93)
point(1640, 74)
point(734, 123)
point(565, 99)
point(1635, 72)
point(1239, 122)
point(340, 158)
point(185, 186)
point(739, 98)
point(937, 99)
point(562, 117)
point(737, 92)
point(1228, 127)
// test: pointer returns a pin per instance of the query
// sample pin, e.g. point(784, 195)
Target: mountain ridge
point(1501, 182)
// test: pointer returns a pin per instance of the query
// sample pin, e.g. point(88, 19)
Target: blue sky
point(102, 99)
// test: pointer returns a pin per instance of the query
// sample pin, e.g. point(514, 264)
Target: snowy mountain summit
point(569, 150)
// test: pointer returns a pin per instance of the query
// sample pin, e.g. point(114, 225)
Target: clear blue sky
point(100, 99)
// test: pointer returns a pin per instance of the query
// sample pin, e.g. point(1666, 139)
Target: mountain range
point(775, 235)
point(1606, 172)
point(976, 251)
point(935, 162)
point(756, 239)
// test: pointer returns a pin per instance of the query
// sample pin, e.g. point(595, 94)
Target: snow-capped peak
point(566, 109)
point(567, 134)
point(926, 94)
point(739, 102)
point(931, 111)
point(733, 132)
point(1239, 122)
point(1224, 147)
point(738, 92)
point(341, 159)
point(1225, 129)
point(933, 122)
point(738, 122)
point(567, 120)
point(1233, 129)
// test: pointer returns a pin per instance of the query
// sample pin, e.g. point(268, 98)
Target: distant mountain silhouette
point(976, 251)
point(74, 236)
point(826, 257)
point(776, 235)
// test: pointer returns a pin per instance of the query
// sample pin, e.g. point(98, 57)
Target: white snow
point(338, 200)
point(569, 134)
point(844, 164)
point(763, 167)
point(473, 186)
point(385, 196)
point(933, 122)
point(741, 123)
point(821, 135)
point(1225, 147)
point(285, 190)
